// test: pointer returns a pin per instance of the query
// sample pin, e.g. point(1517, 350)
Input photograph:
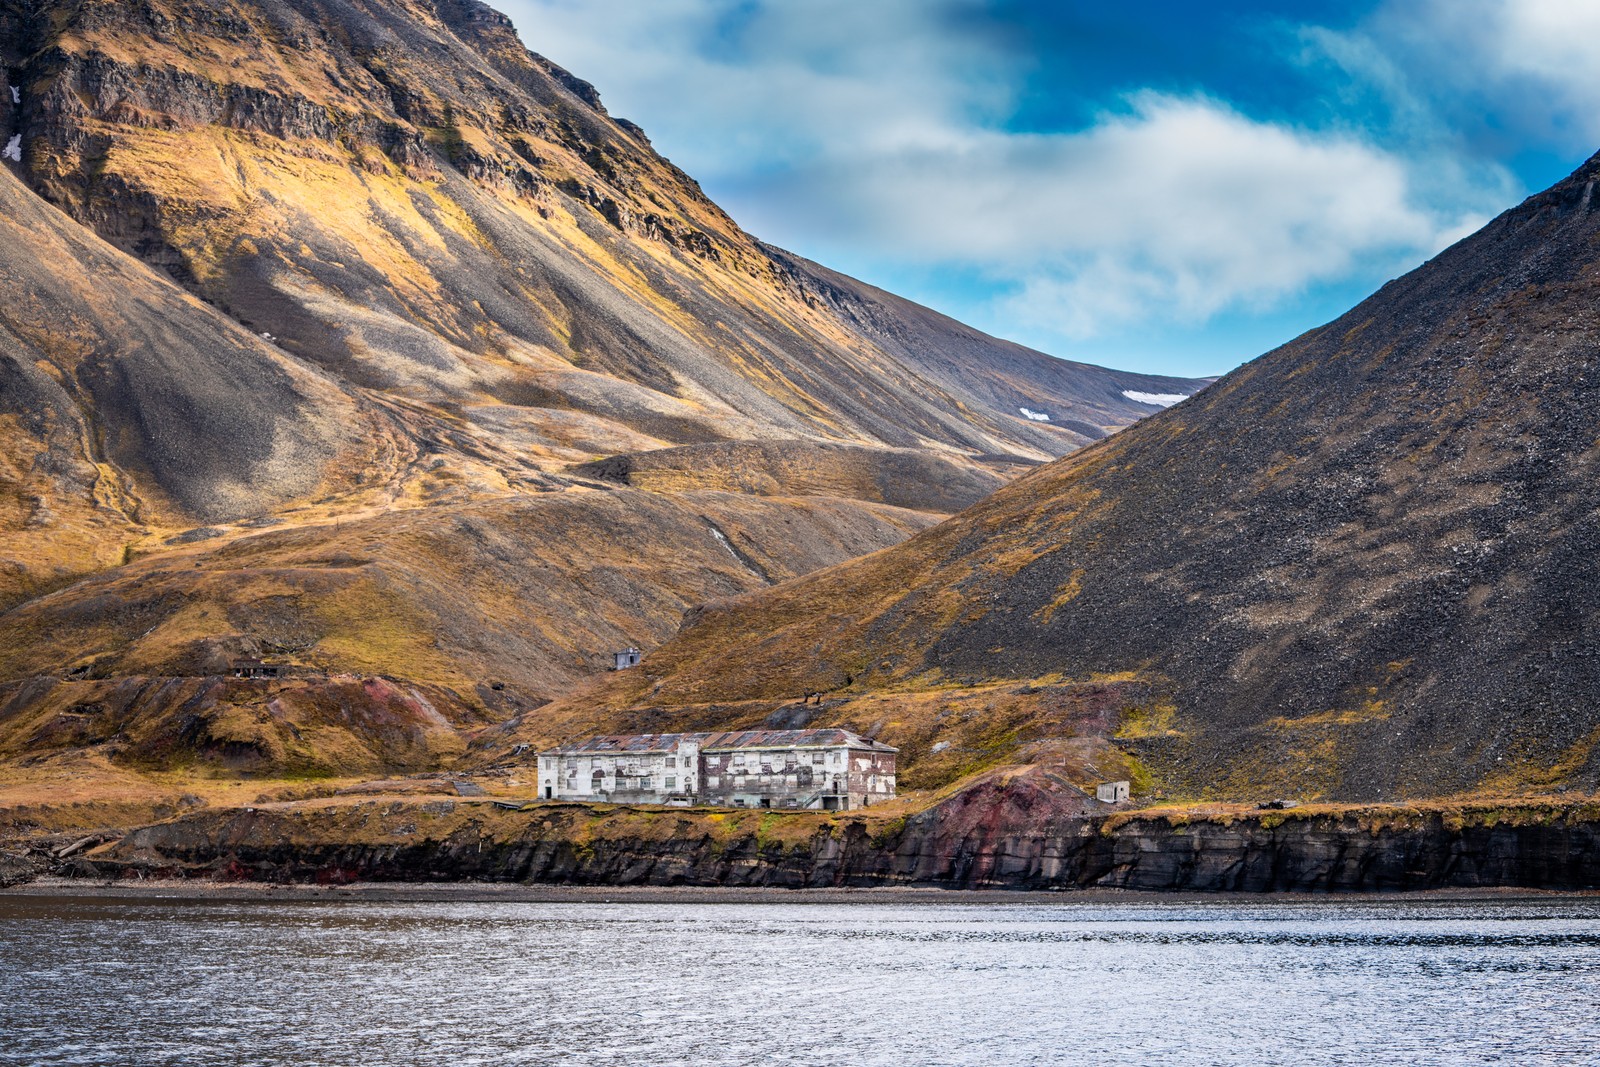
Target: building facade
point(828, 769)
point(636, 769)
point(834, 770)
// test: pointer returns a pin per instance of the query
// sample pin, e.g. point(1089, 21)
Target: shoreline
point(197, 891)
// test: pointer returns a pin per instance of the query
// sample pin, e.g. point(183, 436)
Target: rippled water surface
point(319, 982)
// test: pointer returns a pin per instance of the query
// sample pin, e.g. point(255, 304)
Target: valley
point(355, 336)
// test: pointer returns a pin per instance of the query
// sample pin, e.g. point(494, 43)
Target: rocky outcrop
point(1531, 845)
point(20, 866)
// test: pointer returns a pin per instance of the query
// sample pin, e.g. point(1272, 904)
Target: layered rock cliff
point(1548, 846)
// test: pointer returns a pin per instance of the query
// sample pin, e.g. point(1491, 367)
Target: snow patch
point(1034, 416)
point(722, 539)
point(1160, 400)
point(13, 150)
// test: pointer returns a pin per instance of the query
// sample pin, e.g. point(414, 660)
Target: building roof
point(829, 738)
point(625, 743)
point(741, 739)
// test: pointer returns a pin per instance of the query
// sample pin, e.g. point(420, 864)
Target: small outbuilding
point(255, 668)
point(628, 657)
point(1111, 792)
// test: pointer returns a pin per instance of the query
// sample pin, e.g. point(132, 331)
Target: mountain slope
point(1361, 566)
point(129, 402)
point(350, 332)
point(401, 192)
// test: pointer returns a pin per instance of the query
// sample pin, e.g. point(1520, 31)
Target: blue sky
point(1170, 187)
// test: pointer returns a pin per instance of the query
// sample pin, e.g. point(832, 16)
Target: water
point(93, 981)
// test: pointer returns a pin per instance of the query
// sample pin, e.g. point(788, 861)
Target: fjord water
point(96, 981)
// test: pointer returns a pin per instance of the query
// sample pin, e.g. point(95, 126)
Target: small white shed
point(1111, 792)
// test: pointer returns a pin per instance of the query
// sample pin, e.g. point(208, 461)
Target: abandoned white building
point(636, 768)
point(828, 769)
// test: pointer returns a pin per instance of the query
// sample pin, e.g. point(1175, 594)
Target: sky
point(1170, 187)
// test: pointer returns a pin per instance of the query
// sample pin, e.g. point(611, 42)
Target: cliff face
point(1356, 568)
point(1549, 847)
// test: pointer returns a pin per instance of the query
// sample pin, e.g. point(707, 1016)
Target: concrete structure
point(834, 770)
point(636, 768)
point(628, 657)
point(1111, 792)
point(255, 668)
point(829, 769)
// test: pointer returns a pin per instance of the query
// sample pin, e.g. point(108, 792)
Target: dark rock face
point(1253, 855)
point(17, 868)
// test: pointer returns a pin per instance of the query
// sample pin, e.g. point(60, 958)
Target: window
point(672, 761)
point(672, 781)
point(738, 758)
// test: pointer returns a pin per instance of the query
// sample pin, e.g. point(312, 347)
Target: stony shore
point(202, 891)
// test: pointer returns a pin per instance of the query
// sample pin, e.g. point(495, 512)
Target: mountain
point(403, 194)
point(354, 334)
point(1360, 567)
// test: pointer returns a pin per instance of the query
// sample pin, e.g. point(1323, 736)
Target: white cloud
point(1486, 70)
point(875, 132)
point(1542, 52)
point(1177, 209)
